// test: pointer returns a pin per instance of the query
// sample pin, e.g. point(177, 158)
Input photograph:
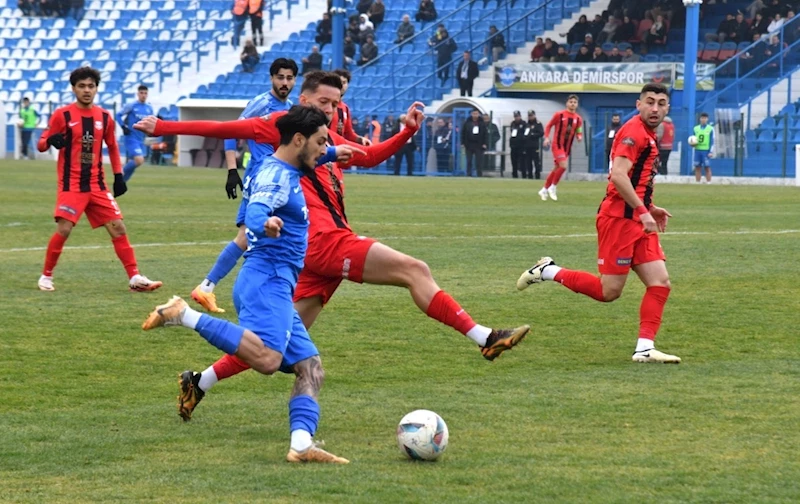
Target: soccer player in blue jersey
point(283, 73)
point(134, 140)
point(270, 335)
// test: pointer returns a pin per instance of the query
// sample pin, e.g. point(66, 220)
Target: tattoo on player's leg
point(309, 376)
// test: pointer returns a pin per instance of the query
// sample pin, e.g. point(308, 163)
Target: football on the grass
point(422, 435)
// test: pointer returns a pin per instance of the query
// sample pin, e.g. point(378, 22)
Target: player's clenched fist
point(148, 125)
point(415, 116)
point(345, 152)
point(273, 227)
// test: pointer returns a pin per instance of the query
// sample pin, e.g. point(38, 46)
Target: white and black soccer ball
point(422, 435)
point(692, 140)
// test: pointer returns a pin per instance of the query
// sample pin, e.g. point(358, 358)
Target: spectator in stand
point(444, 47)
point(723, 30)
point(26, 7)
point(657, 33)
point(442, 145)
point(349, 50)
point(426, 11)
point(369, 51)
point(775, 48)
point(741, 30)
point(775, 7)
point(324, 31)
point(257, 21)
point(776, 24)
point(588, 41)
point(625, 31)
point(562, 56)
point(359, 128)
point(375, 129)
point(250, 57)
point(240, 14)
point(608, 31)
point(377, 12)
point(756, 55)
point(584, 56)
point(611, 132)
point(497, 44)
point(578, 30)
point(665, 134)
point(538, 50)
point(598, 56)
point(791, 33)
point(596, 26)
point(467, 72)
point(615, 56)
point(388, 127)
point(759, 24)
point(313, 61)
point(473, 138)
point(76, 9)
point(352, 28)
point(62, 7)
point(365, 29)
point(630, 57)
point(405, 30)
point(363, 6)
point(550, 51)
point(406, 151)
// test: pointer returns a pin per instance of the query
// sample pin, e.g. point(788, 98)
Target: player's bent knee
point(611, 294)
point(266, 365)
point(116, 228)
point(241, 238)
point(418, 269)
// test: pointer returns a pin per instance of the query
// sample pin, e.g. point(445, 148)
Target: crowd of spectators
point(52, 8)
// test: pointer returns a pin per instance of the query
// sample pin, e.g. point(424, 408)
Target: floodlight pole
point(689, 75)
point(337, 18)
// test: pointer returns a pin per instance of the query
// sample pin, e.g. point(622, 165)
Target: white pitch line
point(460, 237)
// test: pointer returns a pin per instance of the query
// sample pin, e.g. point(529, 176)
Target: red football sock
point(445, 309)
point(650, 311)
point(54, 248)
point(125, 253)
point(550, 176)
point(229, 365)
point(558, 174)
point(581, 282)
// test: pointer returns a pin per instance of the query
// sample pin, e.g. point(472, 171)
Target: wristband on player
point(641, 209)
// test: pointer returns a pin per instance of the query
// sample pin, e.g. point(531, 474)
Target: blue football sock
point(303, 414)
point(225, 262)
point(222, 334)
point(128, 169)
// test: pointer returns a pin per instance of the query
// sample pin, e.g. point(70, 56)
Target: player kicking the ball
point(567, 125)
point(335, 252)
point(270, 336)
point(78, 131)
point(627, 225)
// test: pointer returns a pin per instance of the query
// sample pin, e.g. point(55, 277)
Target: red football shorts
point(331, 257)
point(559, 155)
point(99, 206)
point(622, 243)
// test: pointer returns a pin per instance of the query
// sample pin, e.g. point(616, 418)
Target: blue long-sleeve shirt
point(259, 106)
point(131, 114)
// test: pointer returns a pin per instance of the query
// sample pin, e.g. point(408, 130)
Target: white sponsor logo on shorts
point(346, 268)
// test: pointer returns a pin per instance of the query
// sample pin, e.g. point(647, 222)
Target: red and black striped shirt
point(80, 162)
point(567, 126)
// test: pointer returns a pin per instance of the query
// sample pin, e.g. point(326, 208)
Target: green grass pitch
point(87, 399)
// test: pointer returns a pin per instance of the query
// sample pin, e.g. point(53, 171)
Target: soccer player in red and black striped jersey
point(78, 132)
point(627, 228)
point(342, 120)
point(567, 126)
point(335, 252)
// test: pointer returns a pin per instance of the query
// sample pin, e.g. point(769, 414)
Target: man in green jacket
point(29, 119)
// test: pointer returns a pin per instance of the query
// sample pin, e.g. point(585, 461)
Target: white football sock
point(190, 318)
point(208, 379)
point(207, 285)
point(301, 440)
point(644, 344)
point(479, 334)
point(550, 272)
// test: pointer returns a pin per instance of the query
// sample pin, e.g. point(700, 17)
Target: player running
point(704, 150)
point(78, 131)
point(335, 252)
point(567, 125)
point(134, 140)
point(270, 336)
point(627, 225)
point(283, 74)
point(342, 120)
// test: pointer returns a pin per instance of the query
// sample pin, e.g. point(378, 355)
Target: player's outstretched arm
point(251, 129)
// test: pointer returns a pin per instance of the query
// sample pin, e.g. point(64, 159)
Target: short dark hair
point(572, 96)
point(26, 99)
point(344, 74)
point(313, 80)
point(300, 119)
point(141, 87)
point(283, 64)
point(82, 73)
point(704, 114)
point(655, 88)
point(615, 114)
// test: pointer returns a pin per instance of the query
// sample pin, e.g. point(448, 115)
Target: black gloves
point(120, 187)
point(56, 141)
point(233, 180)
